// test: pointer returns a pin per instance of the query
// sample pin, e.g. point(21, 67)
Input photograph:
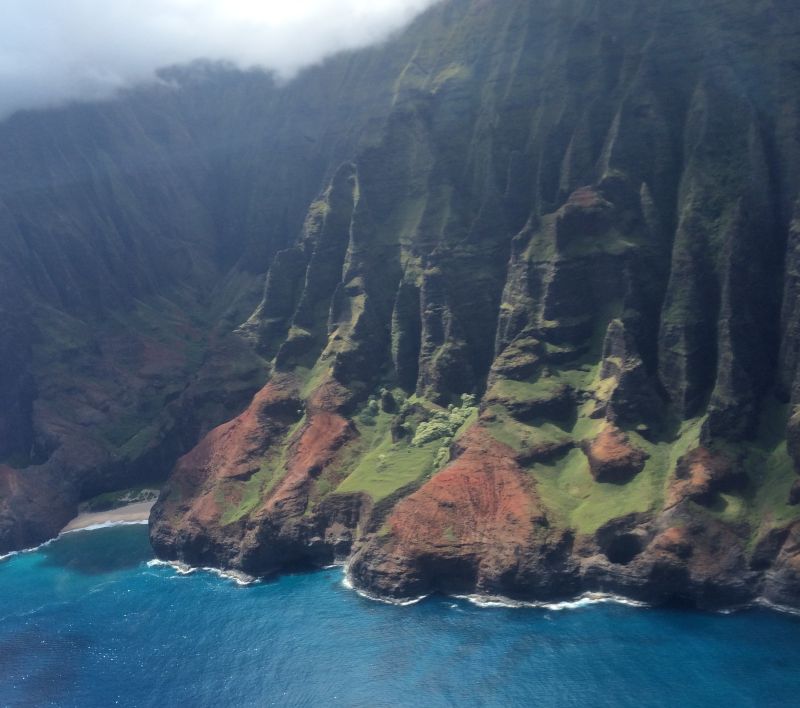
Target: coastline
point(568, 603)
point(139, 513)
point(136, 513)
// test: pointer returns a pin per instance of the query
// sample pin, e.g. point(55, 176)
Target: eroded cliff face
point(529, 324)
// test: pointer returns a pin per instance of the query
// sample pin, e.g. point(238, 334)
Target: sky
point(55, 51)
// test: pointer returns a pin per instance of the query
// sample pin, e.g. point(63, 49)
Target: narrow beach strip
point(137, 513)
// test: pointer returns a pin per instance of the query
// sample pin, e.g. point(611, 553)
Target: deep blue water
point(85, 622)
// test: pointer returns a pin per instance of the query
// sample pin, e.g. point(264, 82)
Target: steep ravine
point(530, 316)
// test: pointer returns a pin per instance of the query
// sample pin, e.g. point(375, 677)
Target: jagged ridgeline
point(531, 314)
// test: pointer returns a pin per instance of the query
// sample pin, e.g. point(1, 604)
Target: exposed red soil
point(482, 498)
point(235, 449)
point(675, 541)
point(612, 457)
point(321, 438)
point(585, 198)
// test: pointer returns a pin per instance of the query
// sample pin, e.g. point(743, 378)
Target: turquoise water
point(86, 622)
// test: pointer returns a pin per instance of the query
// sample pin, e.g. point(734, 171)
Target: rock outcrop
point(612, 458)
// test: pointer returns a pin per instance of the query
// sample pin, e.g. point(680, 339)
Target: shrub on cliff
point(445, 424)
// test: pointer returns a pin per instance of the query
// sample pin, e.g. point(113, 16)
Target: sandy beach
point(131, 513)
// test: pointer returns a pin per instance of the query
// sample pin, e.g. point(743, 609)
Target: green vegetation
point(445, 424)
point(565, 485)
point(519, 436)
point(771, 473)
point(542, 389)
point(251, 492)
point(312, 378)
point(121, 375)
point(120, 498)
point(452, 72)
point(136, 445)
point(381, 466)
point(571, 494)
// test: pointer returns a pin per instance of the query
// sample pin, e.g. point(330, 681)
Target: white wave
point(348, 583)
point(241, 579)
point(585, 600)
point(488, 601)
point(775, 607)
point(27, 550)
point(594, 598)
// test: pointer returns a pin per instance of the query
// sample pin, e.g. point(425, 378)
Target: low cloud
point(54, 51)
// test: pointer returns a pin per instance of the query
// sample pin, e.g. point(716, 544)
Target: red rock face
point(481, 499)
point(472, 526)
point(612, 457)
point(322, 437)
point(674, 541)
point(233, 450)
point(192, 504)
point(190, 526)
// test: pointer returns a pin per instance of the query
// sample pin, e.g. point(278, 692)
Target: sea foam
point(180, 568)
point(488, 601)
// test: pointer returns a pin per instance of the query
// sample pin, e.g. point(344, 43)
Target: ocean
point(89, 620)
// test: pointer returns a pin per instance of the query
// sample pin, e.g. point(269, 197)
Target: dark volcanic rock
point(793, 439)
point(557, 403)
point(633, 398)
point(17, 385)
point(794, 493)
point(700, 563)
point(520, 359)
point(782, 579)
point(701, 474)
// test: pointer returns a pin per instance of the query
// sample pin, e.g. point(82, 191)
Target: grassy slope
point(381, 467)
point(565, 485)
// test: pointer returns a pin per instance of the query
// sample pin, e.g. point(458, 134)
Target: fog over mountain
point(52, 52)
